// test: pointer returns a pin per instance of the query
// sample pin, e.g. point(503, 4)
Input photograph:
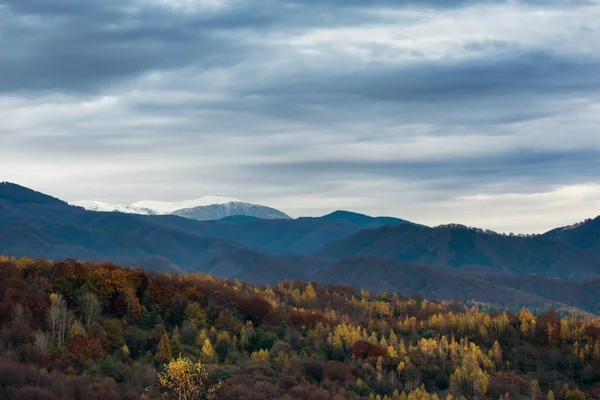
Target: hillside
point(585, 235)
point(444, 263)
point(35, 225)
point(278, 236)
point(464, 284)
point(456, 246)
point(76, 330)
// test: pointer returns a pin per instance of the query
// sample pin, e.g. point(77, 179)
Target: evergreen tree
point(163, 351)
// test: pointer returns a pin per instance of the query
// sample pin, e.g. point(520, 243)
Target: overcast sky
point(485, 113)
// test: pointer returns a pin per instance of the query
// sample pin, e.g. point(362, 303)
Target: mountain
point(584, 235)
point(447, 262)
point(147, 207)
point(39, 226)
point(456, 246)
point(431, 282)
point(207, 208)
point(237, 218)
point(233, 208)
point(362, 220)
point(274, 236)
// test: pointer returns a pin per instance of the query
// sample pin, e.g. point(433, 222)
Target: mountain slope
point(585, 235)
point(36, 225)
point(455, 246)
point(431, 282)
point(487, 267)
point(276, 236)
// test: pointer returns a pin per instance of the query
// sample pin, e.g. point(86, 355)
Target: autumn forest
point(99, 331)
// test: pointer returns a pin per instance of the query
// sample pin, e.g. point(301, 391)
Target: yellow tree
point(208, 352)
point(183, 379)
point(497, 354)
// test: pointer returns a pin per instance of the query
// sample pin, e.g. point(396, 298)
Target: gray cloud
point(463, 106)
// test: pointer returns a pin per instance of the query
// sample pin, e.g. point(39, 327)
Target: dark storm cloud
point(506, 89)
point(526, 171)
point(80, 46)
point(542, 73)
point(72, 45)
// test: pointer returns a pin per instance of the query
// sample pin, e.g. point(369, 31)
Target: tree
point(208, 352)
point(535, 389)
point(134, 309)
point(243, 342)
point(163, 351)
point(59, 318)
point(185, 380)
point(40, 341)
point(76, 329)
point(193, 313)
point(176, 348)
point(90, 308)
point(125, 351)
point(497, 353)
point(575, 394)
point(83, 350)
point(112, 367)
point(260, 356)
point(19, 318)
point(114, 333)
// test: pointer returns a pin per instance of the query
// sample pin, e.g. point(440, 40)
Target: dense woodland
point(98, 331)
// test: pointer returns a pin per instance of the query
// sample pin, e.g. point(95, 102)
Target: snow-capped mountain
point(220, 211)
point(101, 206)
point(207, 208)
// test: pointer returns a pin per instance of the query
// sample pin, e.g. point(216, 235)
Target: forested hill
point(75, 330)
point(560, 269)
point(457, 245)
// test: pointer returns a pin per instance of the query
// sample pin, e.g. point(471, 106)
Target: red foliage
point(364, 349)
point(83, 349)
point(193, 294)
point(300, 318)
point(162, 294)
point(256, 309)
point(336, 371)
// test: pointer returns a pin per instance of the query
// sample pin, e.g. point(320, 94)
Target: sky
point(485, 113)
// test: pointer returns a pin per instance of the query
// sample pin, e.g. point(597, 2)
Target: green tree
point(176, 348)
point(114, 333)
point(193, 313)
point(112, 367)
point(163, 351)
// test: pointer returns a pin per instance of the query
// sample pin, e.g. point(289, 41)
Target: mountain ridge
point(449, 261)
point(206, 208)
point(456, 245)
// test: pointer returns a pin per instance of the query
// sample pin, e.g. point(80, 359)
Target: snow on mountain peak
point(149, 207)
point(164, 207)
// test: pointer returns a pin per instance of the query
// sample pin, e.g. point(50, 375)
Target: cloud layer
point(479, 112)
